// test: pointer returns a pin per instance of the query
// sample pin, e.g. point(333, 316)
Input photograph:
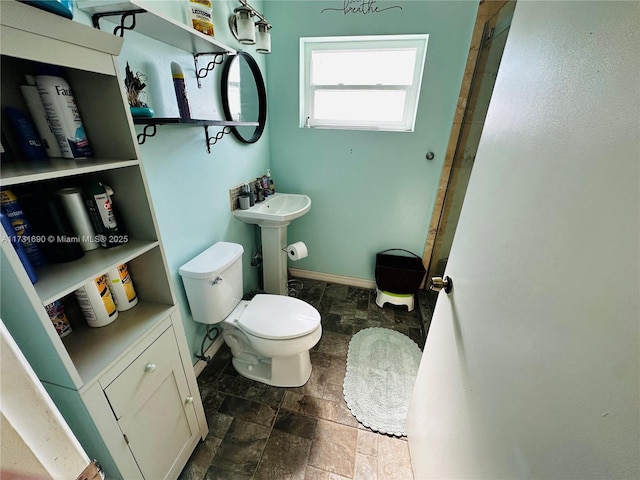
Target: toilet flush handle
point(216, 281)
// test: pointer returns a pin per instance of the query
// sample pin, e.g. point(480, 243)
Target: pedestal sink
point(273, 215)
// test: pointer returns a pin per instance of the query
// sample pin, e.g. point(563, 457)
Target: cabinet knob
point(151, 367)
point(188, 400)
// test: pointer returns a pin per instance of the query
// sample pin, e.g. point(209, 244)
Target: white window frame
point(367, 43)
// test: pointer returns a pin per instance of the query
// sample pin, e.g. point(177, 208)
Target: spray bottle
point(180, 87)
point(102, 214)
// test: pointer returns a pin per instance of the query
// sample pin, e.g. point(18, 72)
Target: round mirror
point(244, 98)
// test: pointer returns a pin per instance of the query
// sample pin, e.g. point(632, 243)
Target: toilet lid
point(278, 317)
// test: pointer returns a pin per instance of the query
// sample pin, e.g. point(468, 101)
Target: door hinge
point(125, 438)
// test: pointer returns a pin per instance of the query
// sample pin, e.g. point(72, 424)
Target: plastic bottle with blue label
point(62, 113)
point(21, 226)
point(22, 254)
point(26, 134)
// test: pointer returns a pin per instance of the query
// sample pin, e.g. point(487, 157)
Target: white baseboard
point(328, 277)
point(211, 351)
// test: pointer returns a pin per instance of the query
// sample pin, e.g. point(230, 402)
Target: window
point(364, 83)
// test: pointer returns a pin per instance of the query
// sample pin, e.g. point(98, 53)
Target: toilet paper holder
point(296, 251)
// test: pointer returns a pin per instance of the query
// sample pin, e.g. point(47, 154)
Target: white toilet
point(269, 336)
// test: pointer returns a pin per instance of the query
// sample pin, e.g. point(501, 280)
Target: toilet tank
point(213, 282)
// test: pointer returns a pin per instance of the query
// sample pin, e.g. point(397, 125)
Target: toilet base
point(292, 371)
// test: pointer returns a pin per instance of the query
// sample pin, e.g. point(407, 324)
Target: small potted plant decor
point(135, 84)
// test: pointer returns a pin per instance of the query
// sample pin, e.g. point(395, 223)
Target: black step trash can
point(398, 277)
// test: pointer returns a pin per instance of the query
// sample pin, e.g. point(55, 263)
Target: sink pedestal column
point(274, 259)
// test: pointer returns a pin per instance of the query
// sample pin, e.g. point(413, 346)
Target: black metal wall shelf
point(137, 16)
point(156, 25)
point(150, 125)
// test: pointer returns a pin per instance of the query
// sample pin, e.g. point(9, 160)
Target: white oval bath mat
point(382, 366)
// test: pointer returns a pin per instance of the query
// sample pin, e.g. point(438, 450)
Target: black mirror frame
point(262, 96)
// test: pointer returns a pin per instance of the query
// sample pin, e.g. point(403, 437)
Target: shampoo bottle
point(39, 116)
point(62, 113)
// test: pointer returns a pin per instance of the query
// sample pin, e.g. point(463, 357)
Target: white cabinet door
point(154, 408)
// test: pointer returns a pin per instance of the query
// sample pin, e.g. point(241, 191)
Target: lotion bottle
point(200, 16)
point(62, 113)
point(272, 186)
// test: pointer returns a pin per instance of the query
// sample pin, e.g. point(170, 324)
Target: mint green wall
point(369, 190)
point(190, 188)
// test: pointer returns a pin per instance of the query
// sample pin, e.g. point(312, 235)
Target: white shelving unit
point(143, 356)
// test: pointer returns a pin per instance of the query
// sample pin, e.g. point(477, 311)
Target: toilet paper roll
point(297, 250)
point(73, 204)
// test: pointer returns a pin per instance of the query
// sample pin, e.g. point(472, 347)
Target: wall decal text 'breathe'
point(360, 6)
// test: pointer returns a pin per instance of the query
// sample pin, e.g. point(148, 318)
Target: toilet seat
point(277, 317)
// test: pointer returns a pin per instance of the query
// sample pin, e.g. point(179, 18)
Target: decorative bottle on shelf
point(180, 87)
point(199, 15)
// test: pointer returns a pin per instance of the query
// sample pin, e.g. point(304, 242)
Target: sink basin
point(276, 211)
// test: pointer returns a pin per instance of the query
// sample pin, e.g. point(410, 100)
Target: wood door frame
point(486, 10)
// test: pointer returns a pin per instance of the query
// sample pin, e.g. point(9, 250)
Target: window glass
point(360, 105)
point(363, 67)
point(370, 82)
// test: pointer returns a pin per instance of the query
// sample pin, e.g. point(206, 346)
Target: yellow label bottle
point(121, 287)
point(96, 302)
point(200, 16)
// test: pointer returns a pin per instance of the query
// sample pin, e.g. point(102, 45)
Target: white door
point(531, 368)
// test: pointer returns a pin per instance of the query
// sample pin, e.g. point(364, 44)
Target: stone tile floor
point(261, 432)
